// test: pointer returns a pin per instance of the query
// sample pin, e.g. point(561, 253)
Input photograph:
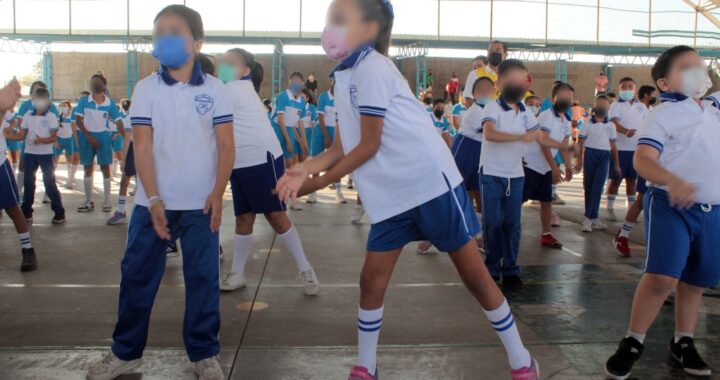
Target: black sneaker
point(512, 283)
point(619, 365)
point(685, 354)
point(29, 261)
point(58, 219)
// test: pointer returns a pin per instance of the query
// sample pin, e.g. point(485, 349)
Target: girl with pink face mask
point(389, 144)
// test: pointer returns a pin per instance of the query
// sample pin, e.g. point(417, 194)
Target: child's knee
point(659, 284)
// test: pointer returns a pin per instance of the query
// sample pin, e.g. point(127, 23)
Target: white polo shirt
point(41, 125)
point(183, 117)
point(254, 136)
point(558, 127)
point(631, 115)
point(292, 107)
point(65, 131)
point(504, 159)
point(688, 139)
point(413, 164)
point(471, 125)
point(326, 106)
point(598, 135)
point(98, 117)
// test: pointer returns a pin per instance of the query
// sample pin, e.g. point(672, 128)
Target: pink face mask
point(334, 42)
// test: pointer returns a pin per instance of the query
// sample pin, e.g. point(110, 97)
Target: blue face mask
point(483, 101)
point(627, 95)
point(171, 51)
point(296, 88)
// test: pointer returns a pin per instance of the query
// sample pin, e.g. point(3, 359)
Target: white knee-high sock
point(106, 190)
point(242, 251)
point(611, 201)
point(73, 170)
point(88, 185)
point(113, 170)
point(20, 181)
point(504, 323)
point(121, 204)
point(68, 169)
point(369, 322)
point(291, 240)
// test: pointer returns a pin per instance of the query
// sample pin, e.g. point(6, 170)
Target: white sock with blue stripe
point(369, 322)
point(631, 199)
point(611, 201)
point(504, 323)
point(626, 229)
point(121, 204)
point(25, 239)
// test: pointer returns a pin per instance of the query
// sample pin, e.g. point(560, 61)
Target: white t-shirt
point(183, 117)
point(413, 164)
point(65, 130)
point(688, 139)
point(504, 159)
point(254, 136)
point(39, 126)
point(598, 135)
point(472, 122)
point(630, 114)
point(558, 127)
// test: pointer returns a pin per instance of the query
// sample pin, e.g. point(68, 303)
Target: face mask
point(627, 95)
point(439, 113)
point(562, 105)
point(494, 58)
point(600, 112)
point(226, 73)
point(40, 105)
point(171, 51)
point(652, 101)
point(63, 109)
point(534, 109)
point(334, 42)
point(483, 101)
point(513, 94)
point(97, 87)
point(296, 88)
point(696, 82)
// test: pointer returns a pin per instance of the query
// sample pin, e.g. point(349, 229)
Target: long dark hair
point(190, 15)
point(382, 12)
point(256, 69)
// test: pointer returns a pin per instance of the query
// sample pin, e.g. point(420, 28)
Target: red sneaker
point(550, 241)
point(361, 373)
point(622, 245)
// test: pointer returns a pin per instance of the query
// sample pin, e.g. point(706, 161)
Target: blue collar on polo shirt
point(197, 79)
point(247, 77)
point(44, 113)
point(354, 59)
point(506, 107)
point(672, 97)
point(557, 114)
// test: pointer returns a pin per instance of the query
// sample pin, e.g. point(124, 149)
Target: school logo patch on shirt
point(45, 123)
point(353, 96)
point(203, 104)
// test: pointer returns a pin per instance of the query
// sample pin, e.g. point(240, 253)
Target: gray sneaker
point(310, 282)
point(209, 369)
point(117, 218)
point(111, 367)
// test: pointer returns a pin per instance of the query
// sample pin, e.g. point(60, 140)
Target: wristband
point(153, 198)
point(156, 202)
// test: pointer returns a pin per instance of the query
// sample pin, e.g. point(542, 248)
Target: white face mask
point(696, 82)
point(40, 104)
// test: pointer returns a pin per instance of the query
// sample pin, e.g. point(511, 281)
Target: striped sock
point(121, 204)
point(369, 322)
point(611, 201)
point(25, 239)
point(631, 199)
point(504, 324)
point(627, 228)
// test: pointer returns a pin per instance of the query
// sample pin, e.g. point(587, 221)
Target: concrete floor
point(573, 310)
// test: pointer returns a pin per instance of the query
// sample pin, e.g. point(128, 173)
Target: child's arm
point(226, 158)
point(581, 154)
point(646, 162)
point(543, 138)
point(302, 138)
point(284, 131)
point(621, 130)
point(547, 153)
point(615, 157)
point(567, 159)
point(47, 140)
point(323, 128)
point(492, 134)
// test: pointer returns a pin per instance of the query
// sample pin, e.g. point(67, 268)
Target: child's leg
point(631, 190)
point(687, 307)
point(493, 192)
point(650, 295)
point(588, 173)
point(51, 189)
point(243, 241)
point(632, 215)
point(476, 277)
point(31, 166)
point(20, 225)
point(290, 238)
point(106, 183)
point(88, 182)
point(613, 188)
point(374, 280)
point(545, 217)
point(122, 194)
point(512, 227)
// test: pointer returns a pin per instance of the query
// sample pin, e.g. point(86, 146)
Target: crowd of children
point(479, 160)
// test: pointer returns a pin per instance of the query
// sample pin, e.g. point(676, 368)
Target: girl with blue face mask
point(179, 196)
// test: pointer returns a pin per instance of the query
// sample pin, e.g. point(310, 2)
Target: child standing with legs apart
point(258, 165)
point(179, 109)
point(389, 143)
point(682, 218)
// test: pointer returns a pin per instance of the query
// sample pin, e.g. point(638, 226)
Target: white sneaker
point(111, 367)
point(611, 215)
point(312, 198)
point(233, 281)
point(296, 206)
point(587, 225)
point(339, 198)
point(209, 369)
point(424, 247)
point(598, 225)
point(357, 215)
point(69, 185)
point(310, 282)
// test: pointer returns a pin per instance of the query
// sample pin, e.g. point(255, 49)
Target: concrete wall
point(72, 72)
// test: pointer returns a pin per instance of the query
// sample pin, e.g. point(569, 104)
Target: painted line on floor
point(570, 251)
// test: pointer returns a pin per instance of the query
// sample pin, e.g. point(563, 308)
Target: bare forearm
point(226, 159)
point(619, 128)
point(494, 135)
point(652, 171)
point(325, 160)
point(356, 158)
point(547, 153)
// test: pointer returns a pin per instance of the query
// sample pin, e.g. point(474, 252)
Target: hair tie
point(389, 6)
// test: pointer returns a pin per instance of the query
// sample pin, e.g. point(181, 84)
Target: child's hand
point(38, 140)
point(160, 223)
point(578, 168)
point(631, 133)
point(291, 182)
point(618, 170)
point(682, 194)
point(556, 176)
point(93, 142)
point(213, 204)
point(568, 174)
point(57, 145)
point(289, 146)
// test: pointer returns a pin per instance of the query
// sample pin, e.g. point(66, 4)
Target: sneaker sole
point(117, 223)
point(119, 371)
point(690, 371)
point(224, 288)
point(58, 222)
point(613, 376)
point(312, 292)
point(615, 243)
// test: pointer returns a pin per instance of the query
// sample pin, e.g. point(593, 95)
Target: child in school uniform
point(179, 109)
point(309, 120)
point(597, 153)
point(442, 124)
point(67, 144)
point(118, 146)
point(508, 128)
point(128, 170)
point(676, 144)
point(541, 169)
point(10, 199)
point(390, 144)
point(39, 131)
point(258, 165)
point(458, 111)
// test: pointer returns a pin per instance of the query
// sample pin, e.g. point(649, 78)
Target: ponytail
point(380, 11)
point(257, 72)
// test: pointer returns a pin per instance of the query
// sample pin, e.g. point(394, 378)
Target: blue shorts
point(627, 170)
point(641, 185)
point(14, 146)
point(283, 144)
point(537, 187)
point(128, 168)
point(67, 147)
point(559, 159)
point(317, 143)
point(448, 222)
point(119, 143)
point(682, 243)
point(466, 152)
point(103, 151)
point(9, 194)
point(252, 187)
